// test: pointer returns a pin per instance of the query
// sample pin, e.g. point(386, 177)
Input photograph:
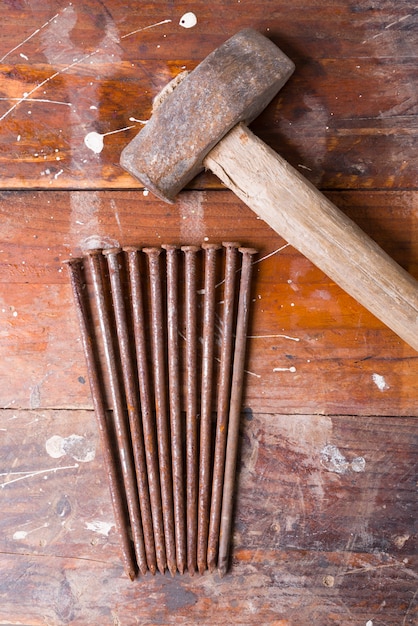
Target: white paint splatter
point(358, 464)
point(20, 534)
point(61, 51)
point(95, 141)
point(44, 82)
point(380, 382)
point(76, 446)
point(188, 20)
point(134, 119)
point(102, 528)
point(334, 461)
point(285, 369)
point(369, 623)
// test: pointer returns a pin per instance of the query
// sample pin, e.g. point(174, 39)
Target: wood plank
point(325, 527)
point(347, 118)
point(311, 348)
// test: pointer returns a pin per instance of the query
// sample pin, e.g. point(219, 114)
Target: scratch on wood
point(267, 256)
point(138, 30)
point(44, 100)
point(35, 32)
point(273, 337)
point(388, 26)
point(29, 474)
point(44, 82)
point(252, 374)
point(372, 568)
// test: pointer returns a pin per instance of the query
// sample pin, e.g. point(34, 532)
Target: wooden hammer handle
point(302, 215)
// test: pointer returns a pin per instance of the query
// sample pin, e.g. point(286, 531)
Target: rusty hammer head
point(233, 84)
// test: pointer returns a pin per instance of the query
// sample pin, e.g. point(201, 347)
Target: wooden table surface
point(325, 530)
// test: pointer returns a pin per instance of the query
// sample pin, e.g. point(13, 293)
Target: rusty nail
point(190, 258)
point(122, 435)
point(172, 262)
point(224, 388)
point(114, 260)
point(148, 423)
point(163, 434)
point(111, 464)
point(205, 464)
point(235, 408)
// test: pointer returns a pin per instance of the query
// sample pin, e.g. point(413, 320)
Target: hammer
point(203, 124)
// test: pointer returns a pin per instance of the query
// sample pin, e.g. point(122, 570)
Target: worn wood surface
point(329, 538)
point(325, 529)
point(70, 70)
point(312, 348)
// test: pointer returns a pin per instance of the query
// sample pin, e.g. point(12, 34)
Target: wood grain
point(324, 528)
point(347, 114)
point(311, 348)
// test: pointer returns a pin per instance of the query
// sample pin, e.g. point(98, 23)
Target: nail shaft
point(224, 389)
point(190, 258)
point(114, 261)
point(175, 404)
point(163, 433)
point(110, 460)
point(148, 423)
point(205, 465)
point(121, 430)
point(235, 409)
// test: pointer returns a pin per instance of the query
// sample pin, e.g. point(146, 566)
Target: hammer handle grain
point(301, 214)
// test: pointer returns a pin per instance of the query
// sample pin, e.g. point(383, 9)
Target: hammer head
point(233, 84)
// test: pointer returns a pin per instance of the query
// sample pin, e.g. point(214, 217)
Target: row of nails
point(174, 502)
